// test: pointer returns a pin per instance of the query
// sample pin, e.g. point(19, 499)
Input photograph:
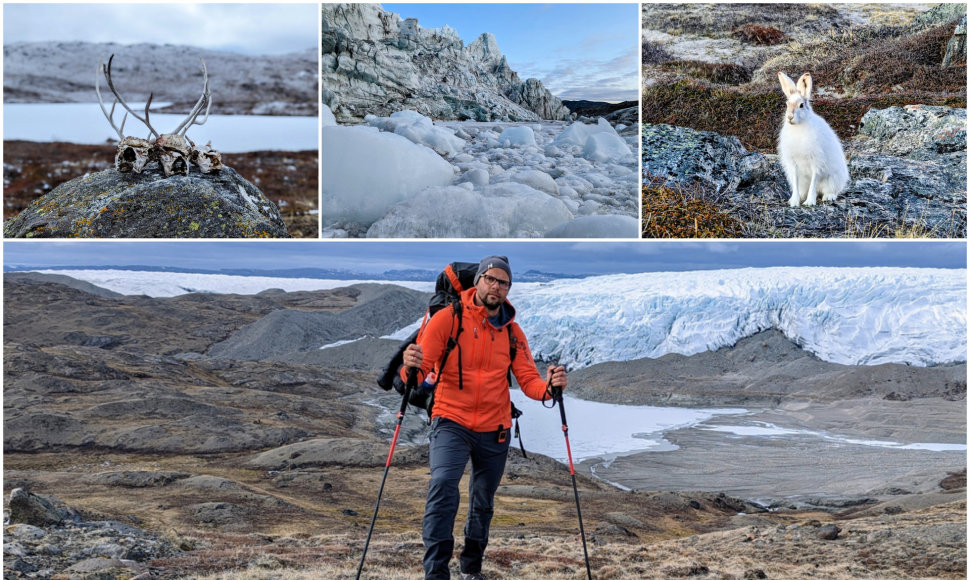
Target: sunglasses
point(492, 281)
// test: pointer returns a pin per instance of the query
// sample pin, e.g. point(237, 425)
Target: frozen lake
point(84, 123)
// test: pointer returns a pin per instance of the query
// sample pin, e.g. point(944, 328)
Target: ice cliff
point(865, 316)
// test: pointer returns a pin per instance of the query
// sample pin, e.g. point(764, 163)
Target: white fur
point(809, 150)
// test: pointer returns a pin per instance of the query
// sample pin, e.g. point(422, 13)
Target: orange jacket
point(483, 403)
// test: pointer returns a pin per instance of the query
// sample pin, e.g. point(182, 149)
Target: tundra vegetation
point(716, 71)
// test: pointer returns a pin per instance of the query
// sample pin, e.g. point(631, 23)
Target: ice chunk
point(605, 147)
point(536, 179)
point(577, 133)
point(597, 226)
point(365, 172)
point(477, 176)
point(327, 117)
point(421, 130)
point(504, 210)
point(517, 137)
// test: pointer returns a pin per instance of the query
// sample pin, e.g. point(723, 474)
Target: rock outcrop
point(376, 63)
point(907, 168)
point(50, 537)
point(109, 204)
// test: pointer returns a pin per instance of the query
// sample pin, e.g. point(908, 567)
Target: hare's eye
point(801, 105)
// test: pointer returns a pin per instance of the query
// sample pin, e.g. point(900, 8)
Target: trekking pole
point(410, 384)
point(557, 396)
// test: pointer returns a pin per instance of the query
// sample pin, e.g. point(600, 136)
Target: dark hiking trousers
point(451, 446)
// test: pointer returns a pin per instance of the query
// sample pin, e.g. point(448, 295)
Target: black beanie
point(500, 262)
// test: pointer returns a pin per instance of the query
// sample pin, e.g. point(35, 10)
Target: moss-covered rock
point(109, 204)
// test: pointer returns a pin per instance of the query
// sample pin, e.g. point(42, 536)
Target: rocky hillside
point(63, 72)
point(375, 62)
point(889, 79)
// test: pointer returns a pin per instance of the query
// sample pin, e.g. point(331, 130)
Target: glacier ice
point(597, 226)
point(370, 187)
point(850, 316)
point(395, 169)
point(502, 210)
point(517, 137)
point(605, 147)
point(420, 130)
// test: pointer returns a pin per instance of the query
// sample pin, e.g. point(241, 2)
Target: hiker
point(471, 416)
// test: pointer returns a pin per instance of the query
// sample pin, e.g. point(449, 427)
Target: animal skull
point(207, 158)
point(173, 151)
point(133, 154)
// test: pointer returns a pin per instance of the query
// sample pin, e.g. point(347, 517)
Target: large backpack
point(452, 281)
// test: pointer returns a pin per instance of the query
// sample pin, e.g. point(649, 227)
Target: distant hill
point(414, 275)
point(63, 72)
point(598, 108)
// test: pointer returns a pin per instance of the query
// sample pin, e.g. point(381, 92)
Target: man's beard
point(491, 301)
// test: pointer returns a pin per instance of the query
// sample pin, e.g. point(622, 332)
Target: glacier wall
point(853, 316)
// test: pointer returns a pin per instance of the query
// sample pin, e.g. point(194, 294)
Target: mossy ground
point(870, 68)
point(673, 213)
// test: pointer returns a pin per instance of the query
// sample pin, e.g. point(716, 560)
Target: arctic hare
point(809, 150)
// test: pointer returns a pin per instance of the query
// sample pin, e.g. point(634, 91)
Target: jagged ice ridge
point(853, 316)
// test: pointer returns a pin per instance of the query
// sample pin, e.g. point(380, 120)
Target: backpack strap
point(453, 343)
point(516, 413)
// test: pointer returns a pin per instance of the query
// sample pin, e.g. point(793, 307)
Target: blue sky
point(551, 257)
point(578, 51)
point(242, 28)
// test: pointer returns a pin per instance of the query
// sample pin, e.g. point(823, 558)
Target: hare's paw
point(794, 200)
point(829, 197)
point(811, 200)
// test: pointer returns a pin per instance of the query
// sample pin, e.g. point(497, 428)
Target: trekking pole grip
point(557, 397)
point(409, 386)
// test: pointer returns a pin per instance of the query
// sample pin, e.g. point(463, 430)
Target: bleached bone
point(133, 154)
point(109, 116)
point(173, 151)
point(207, 158)
point(204, 101)
point(106, 69)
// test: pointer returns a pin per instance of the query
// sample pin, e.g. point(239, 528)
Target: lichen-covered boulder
point(109, 204)
point(693, 158)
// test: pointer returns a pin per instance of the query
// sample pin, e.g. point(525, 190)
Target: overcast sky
point(550, 257)
point(578, 51)
point(241, 28)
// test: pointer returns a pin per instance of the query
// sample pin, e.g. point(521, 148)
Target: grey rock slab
point(109, 204)
point(330, 451)
point(36, 510)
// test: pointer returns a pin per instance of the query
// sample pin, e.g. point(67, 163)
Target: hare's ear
point(805, 86)
point(787, 85)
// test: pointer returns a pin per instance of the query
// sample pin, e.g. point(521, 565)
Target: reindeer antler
point(109, 116)
point(106, 70)
point(204, 101)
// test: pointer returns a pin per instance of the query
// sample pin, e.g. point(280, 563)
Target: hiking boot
point(473, 576)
